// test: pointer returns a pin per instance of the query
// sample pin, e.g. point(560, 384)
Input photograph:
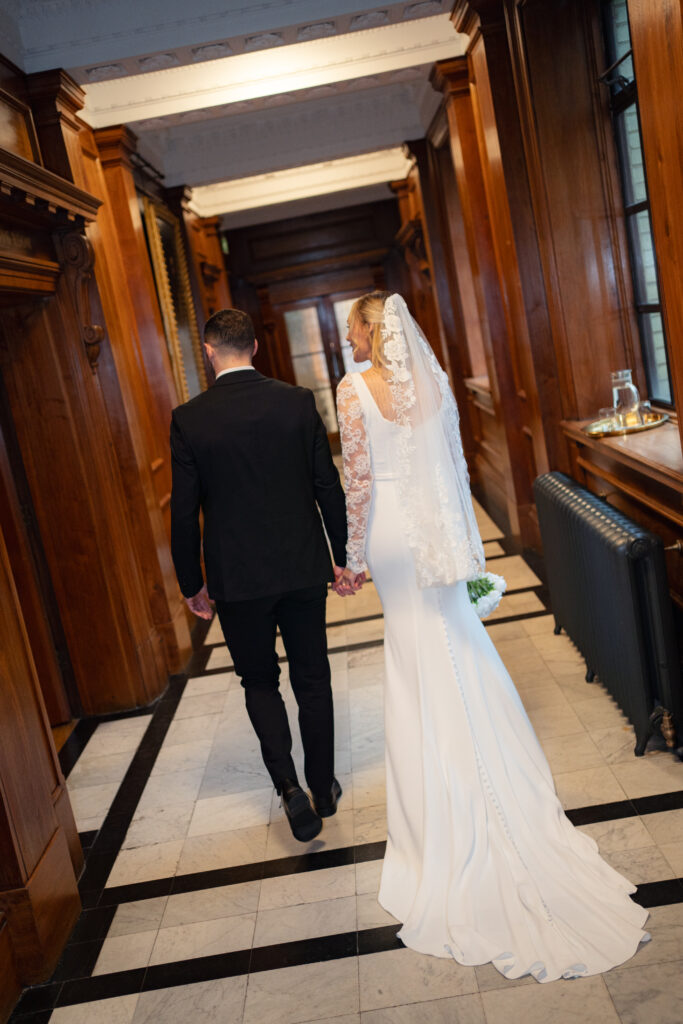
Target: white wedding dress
point(481, 862)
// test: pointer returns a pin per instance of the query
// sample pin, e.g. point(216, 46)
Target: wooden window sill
point(653, 453)
point(481, 385)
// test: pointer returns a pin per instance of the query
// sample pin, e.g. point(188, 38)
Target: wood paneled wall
point(91, 619)
point(533, 217)
point(510, 442)
point(38, 894)
point(40, 855)
point(576, 198)
point(134, 374)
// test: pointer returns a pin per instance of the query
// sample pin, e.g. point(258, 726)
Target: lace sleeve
point(357, 471)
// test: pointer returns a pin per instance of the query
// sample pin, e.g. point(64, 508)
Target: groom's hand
point(346, 582)
point(199, 604)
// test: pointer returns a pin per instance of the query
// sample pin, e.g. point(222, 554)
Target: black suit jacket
point(253, 454)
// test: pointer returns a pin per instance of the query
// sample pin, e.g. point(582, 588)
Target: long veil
point(434, 487)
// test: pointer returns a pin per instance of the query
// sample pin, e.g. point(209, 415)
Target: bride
point(481, 862)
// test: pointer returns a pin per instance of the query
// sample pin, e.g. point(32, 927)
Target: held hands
point(199, 604)
point(347, 582)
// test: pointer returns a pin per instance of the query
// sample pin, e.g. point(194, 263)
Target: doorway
point(316, 329)
point(30, 570)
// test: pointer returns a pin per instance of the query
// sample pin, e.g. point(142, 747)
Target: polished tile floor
point(200, 907)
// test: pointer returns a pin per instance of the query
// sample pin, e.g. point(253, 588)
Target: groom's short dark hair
point(230, 328)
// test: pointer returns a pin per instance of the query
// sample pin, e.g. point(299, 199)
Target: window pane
point(654, 351)
point(620, 43)
point(311, 371)
point(309, 361)
point(341, 312)
point(643, 257)
point(303, 331)
point(631, 152)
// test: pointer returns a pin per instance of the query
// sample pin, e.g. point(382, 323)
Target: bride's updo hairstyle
point(370, 310)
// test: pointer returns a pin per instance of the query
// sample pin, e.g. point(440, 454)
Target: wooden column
point(501, 443)
point(657, 39)
point(116, 148)
point(39, 901)
point(413, 240)
point(438, 192)
point(138, 412)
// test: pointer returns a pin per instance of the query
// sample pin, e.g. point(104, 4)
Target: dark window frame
point(624, 95)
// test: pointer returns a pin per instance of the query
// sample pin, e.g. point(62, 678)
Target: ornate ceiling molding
point(330, 91)
point(296, 183)
point(292, 68)
point(300, 133)
point(98, 35)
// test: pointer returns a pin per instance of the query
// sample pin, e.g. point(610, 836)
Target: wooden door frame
point(18, 521)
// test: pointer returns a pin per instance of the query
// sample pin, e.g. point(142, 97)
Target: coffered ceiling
point(270, 104)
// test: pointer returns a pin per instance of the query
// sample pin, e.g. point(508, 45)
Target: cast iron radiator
point(608, 589)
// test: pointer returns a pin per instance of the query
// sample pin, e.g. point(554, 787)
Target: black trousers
point(249, 628)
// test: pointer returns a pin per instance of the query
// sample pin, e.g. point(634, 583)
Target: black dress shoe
point(303, 821)
point(326, 805)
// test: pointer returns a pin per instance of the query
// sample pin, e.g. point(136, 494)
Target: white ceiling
point(236, 95)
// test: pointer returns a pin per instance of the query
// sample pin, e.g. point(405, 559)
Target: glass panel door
point(342, 309)
point(309, 360)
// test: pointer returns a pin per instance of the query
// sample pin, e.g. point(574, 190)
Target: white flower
point(487, 604)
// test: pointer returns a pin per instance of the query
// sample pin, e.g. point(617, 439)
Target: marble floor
point(200, 907)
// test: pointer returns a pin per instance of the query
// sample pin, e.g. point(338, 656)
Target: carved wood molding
point(210, 272)
point(77, 258)
point(478, 17)
point(26, 274)
point(56, 97)
point(33, 186)
point(411, 237)
point(451, 77)
point(115, 145)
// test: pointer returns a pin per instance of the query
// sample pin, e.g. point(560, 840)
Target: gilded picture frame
point(174, 290)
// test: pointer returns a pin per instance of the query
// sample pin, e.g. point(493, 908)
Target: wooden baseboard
point(65, 818)
point(41, 915)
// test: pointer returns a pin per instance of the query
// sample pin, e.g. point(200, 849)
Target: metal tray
point(608, 428)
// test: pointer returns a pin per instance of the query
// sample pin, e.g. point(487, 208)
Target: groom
point(252, 454)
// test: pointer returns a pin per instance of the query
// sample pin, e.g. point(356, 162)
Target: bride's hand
point(346, 582)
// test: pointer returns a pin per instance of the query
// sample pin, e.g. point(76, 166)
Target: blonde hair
point(370, 310)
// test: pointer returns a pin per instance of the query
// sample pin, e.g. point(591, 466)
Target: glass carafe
point(625, 397)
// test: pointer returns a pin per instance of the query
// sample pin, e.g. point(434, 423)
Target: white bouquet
point(485, 593)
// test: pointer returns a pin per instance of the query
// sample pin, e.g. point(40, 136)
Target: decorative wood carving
point(28, 183)
point(77, 256)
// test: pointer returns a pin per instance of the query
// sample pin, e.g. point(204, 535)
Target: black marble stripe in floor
point(196, 881)
point(260, 958)
point(316, 861)
point(110, 837)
